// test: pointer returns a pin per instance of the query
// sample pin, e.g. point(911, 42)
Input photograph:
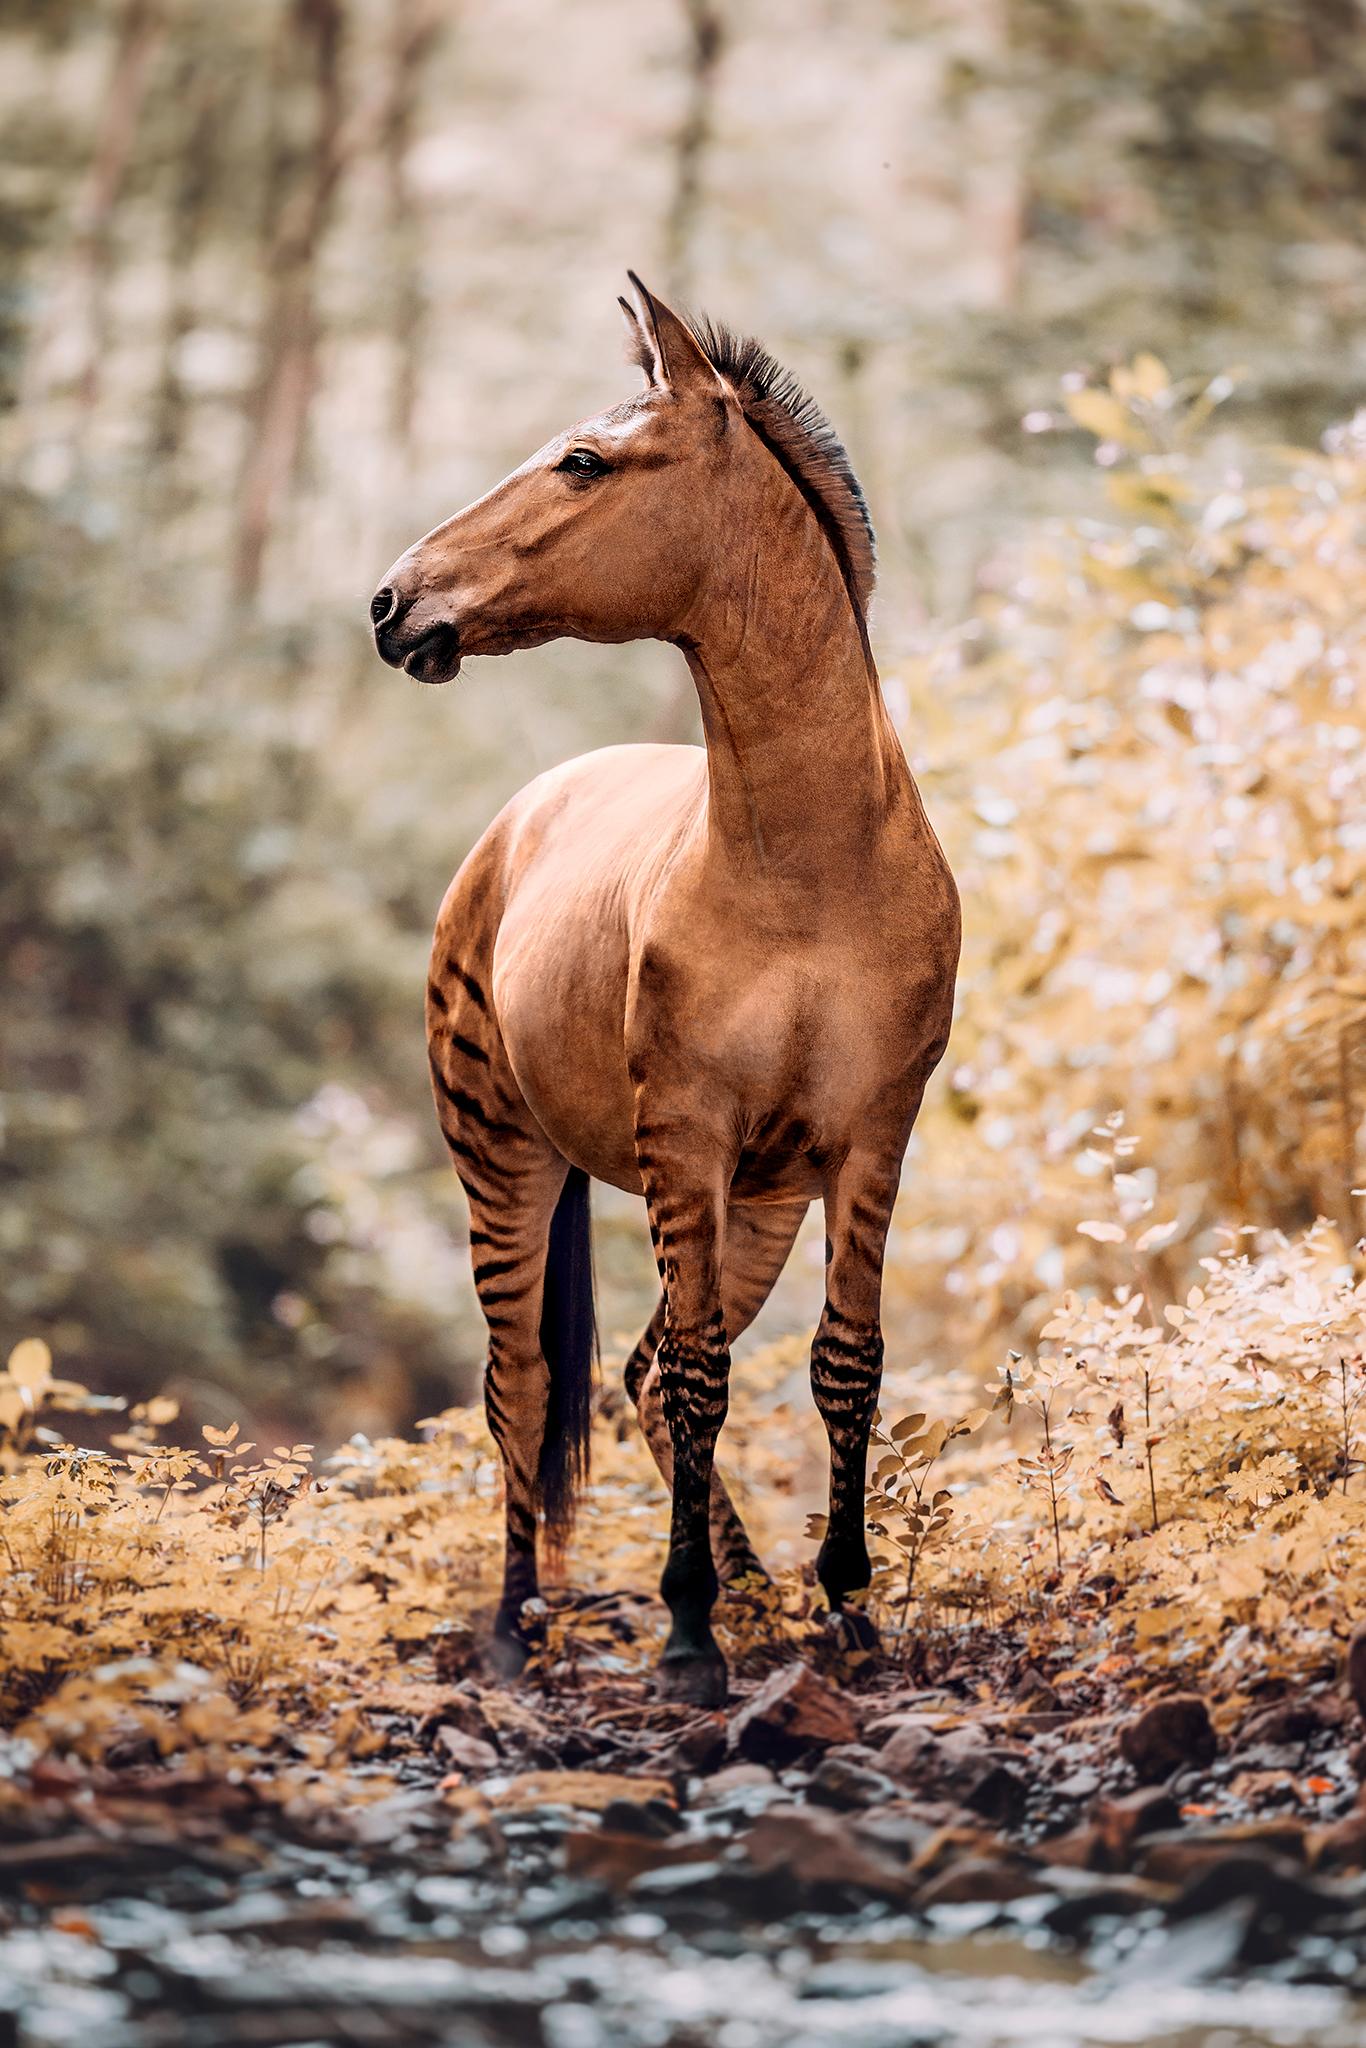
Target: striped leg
point(687, 1222)
point(758, 1240)
point(509, 1229)
point(512, 1177)
point(846, 1362)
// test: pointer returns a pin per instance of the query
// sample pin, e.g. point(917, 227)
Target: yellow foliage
point(1183, 1488)
point(1145, 755)
point(1146, 751)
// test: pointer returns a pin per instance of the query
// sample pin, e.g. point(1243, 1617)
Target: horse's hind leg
point(510, 1218)
point(513, 1180)
point(758, 1240)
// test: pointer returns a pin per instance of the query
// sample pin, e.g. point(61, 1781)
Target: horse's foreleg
point(758, 1240)
point(687, 1222)
point(732, 1552)
point(846, 1359)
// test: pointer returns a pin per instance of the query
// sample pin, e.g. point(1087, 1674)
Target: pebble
point(1168, 1735)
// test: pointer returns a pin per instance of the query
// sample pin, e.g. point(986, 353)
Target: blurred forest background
point(1082, 282)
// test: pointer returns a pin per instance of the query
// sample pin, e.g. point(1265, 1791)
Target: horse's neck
point(803, 767)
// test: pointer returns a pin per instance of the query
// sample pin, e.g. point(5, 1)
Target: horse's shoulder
point(612, 786)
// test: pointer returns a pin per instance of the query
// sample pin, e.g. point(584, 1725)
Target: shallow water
point(138, 1975)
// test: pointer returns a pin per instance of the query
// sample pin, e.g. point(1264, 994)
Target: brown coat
point(719, 976)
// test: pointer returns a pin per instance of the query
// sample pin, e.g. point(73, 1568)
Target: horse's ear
point(676, 357)
point(639, 348)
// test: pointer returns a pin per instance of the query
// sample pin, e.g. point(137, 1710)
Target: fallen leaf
point(590, 1790)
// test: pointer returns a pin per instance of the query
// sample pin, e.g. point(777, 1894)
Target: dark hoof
point(850, 1629)
point(692, 1681)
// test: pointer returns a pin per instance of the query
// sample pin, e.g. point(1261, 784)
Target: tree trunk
point(300, 199)
point(197, 96)
point(416, 27)
point(706, 40)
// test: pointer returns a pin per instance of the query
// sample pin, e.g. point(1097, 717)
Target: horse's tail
point(569, 1340)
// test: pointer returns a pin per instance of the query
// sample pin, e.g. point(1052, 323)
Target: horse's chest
point(792, 1045)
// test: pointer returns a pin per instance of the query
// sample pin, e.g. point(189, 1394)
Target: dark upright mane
point(791, 424)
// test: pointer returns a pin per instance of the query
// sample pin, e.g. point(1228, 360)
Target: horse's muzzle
point(432, 656)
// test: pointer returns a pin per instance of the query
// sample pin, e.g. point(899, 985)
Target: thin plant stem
point(1052, 1486)
point(1148, 1443)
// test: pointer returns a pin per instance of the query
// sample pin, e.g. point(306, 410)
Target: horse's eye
point(583, 462)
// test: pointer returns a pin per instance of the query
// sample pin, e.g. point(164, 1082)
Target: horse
point(717, 976)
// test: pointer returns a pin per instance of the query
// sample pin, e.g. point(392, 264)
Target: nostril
point(383, 605)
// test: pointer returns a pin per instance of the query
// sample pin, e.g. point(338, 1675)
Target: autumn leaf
point(1103, 415)
point(30, 1365)
point(1103, 1233)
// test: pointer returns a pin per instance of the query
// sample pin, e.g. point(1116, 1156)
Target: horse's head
point(603, 534)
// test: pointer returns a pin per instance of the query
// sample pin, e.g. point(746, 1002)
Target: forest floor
point(979, 1855)
point(1103, 1783)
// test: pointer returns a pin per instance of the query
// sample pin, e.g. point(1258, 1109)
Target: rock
point(699, 1748)
point(1121, 1822)
point(392, 1822)
point(1169, 1735)
point(565, 1899)
point(1198, 1952)
point(651, 1819)
point(1178, 1857)
point(466, 1753)
point(1281, 1893)
point(1105, 1842)
point(1080, 1848)
point(902, 1831)
point(1034, 1692)
point(981, 1880)
point(677, 1876)
point(1078, 1784)
point(961, 1764)
point(1281, 1724)
point(438, 1707)
point(529, 1791)
point(1341, 1846)
point(932, 1700)
point(1262, 1788)
point(723, 1786)
point(952, 1844)
point(1356, 1667)
point(842, 1782)
point(792, 1712)
point(823, 1856)
point(998, 1795)
point(910, 1744)
point(881, 1730)
point(50, 1778)
point(718, 1895)
point(603, 1857)
point(1117, 1898)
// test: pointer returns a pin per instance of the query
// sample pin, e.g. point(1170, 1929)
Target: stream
point(309, 1946)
